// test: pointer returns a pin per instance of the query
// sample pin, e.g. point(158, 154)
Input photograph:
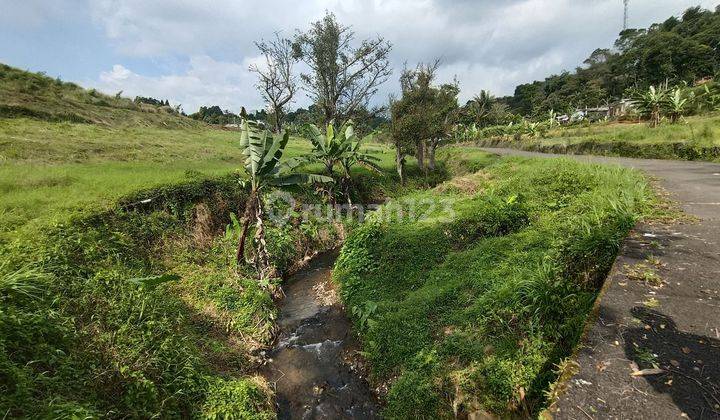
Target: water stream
point(314, 366)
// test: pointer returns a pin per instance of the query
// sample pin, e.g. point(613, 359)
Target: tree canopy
point(675, 51)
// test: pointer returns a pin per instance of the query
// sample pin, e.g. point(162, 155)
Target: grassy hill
point(63, 148)
point(34, 95)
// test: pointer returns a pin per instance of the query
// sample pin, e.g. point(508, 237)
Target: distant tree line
point(677, 51)
point(150, 101)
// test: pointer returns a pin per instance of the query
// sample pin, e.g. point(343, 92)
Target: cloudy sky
point(196, 52)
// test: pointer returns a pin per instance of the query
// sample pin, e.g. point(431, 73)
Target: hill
point(676, 51)
point(64, 148)
point(34, 95)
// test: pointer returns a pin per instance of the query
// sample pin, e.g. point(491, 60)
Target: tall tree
point(424, 114)
point(276, 82)
point(342, 77)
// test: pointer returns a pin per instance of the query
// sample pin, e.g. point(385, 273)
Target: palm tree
point(482, 104)
point(263, 151)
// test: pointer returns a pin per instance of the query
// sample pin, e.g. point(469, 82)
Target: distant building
point(620, 108)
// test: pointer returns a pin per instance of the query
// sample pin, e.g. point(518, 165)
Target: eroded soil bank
point(314, 366)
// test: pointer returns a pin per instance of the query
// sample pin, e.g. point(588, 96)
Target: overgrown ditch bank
point(469, 309)
point(458, 315)
point(140, 311)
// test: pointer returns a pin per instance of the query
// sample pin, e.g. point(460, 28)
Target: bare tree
point(276, 82)
point(342, 78)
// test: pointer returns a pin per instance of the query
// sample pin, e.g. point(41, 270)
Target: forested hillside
point(679, 50)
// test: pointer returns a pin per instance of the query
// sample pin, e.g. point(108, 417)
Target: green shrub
point(491, 298)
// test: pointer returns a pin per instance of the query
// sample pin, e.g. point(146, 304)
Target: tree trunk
point(431, 154)
point(347, 188)
point(278, 123)
point(400, 163)
point(249, 206)
point(420, 154)
point(262, 255)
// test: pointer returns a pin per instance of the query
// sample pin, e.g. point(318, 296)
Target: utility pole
point(625, 17)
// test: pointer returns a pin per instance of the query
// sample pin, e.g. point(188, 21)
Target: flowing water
point(314, 367)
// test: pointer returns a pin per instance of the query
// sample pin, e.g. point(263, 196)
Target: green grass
point(50, 169)
point(34, 95)
point(78, 338)
point(694, 138)
point(474, 311)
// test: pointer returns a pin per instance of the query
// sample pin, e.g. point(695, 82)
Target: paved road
point(674, 327)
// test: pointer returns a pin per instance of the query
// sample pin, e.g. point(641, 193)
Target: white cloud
point(491, 45)
point(206, 82)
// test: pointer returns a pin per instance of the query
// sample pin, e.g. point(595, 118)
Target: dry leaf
point(648, 372)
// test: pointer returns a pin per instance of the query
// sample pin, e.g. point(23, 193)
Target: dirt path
point(672, 328)
point(313, 365)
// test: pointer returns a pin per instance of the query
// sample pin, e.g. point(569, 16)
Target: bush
point(473, 311)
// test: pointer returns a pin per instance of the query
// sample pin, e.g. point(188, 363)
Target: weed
point(645, 357)
point(645, 273)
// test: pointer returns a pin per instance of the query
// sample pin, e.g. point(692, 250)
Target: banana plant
point(354, 155)
point(710, 97)
point(676, 104)
point(340, 147)
point(552, 118)
point(330, 147)
point(651, 103)
point(263, 152)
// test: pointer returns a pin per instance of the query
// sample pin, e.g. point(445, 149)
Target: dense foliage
point(675, 51)
point(423, 116)
point(468, 308)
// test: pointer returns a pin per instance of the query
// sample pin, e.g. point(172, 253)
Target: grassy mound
point(470, 307)
point(34, 95)
point(695, 138)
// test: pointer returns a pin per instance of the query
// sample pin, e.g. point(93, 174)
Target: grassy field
point(50, 169)
point(694, 138)
point(469, 308)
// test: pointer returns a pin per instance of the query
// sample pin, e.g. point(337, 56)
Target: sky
point(197, 52)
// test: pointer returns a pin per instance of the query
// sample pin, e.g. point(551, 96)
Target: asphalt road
point(654, 351)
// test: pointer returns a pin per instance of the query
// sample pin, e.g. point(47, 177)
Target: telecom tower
point(625, 17)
